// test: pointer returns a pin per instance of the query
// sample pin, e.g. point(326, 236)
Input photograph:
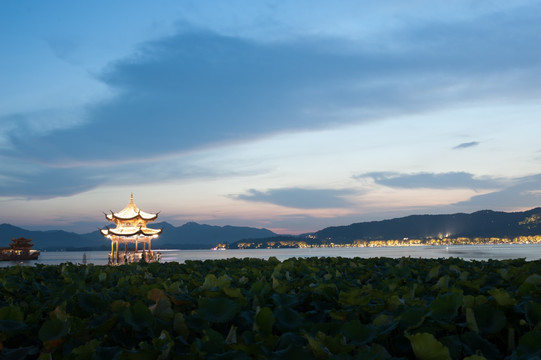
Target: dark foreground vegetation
point(330, 308)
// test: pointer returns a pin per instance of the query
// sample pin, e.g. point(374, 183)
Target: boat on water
point(19, 249)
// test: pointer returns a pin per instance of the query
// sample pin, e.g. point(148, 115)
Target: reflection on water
point(466, 252)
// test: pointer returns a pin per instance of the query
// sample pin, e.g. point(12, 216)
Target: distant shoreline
point(245, 245)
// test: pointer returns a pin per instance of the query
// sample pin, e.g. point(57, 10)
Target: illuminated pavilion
point(131, 228)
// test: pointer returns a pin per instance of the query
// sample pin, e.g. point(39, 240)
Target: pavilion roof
point(131, 211)
point(21, 243)
point(130, 231)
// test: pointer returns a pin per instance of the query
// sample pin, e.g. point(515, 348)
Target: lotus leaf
point(534, 279)
point(433, 273)
point(290, 339)
point(162, 309)
point(53, 329)
point(489, 319)
point(471, 321)
point(454, 344)
point(287, 318)
point(412, 318)
point(87, 350)
point(502, 297)
point(179, 325)
point(163, 344)
point(445, 307)
point(213, 283)
point(443, 283)
point(533, 313)
point(139, 317)
point(279, 286)
point(264, 321)
point(13, 313)
point(318, 350)
point(155, 294)
point(530, 284)
point(473, 343)
point(529, 345)
point(359, 333)
point(352, 297)
point(92, 303)
point(218, 310)
point(426, 347)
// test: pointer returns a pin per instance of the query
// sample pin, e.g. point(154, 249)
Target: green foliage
point(316, 308)
point(445, 307)
point(426, 347)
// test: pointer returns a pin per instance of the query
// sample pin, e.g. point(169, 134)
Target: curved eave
point(145, 232)
point(146, 217)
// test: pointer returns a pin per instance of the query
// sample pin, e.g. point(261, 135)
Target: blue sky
point(292, 116)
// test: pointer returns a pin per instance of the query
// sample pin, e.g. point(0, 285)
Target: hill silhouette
point(480, 224)
point(48, 240)
point(200, 236)
point(485, 223)
point(188, 236)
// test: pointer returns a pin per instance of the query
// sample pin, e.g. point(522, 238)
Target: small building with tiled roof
point(131, 228)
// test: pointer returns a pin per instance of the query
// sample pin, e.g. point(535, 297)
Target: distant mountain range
point(188, 236)
point(480, 224)
point(484, 224)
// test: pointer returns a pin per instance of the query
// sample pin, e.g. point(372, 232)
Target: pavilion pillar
point(117, 253)
point(135, 245)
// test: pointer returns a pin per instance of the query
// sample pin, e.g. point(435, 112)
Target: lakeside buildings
point(19, 249)
point(311, 242)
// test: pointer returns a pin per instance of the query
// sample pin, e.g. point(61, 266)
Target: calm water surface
point(466, 252)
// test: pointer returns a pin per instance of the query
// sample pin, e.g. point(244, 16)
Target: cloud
point(35, 124)
point(30, 180)
point(300, 198)
point(64, 48)
point(198, 89)
point(466, 145)
point(44, 183)
point(525, 192)
point(450, 180)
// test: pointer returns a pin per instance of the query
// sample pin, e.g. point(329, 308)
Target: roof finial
point(131, 198)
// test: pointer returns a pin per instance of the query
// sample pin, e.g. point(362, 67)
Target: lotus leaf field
point(314, 308)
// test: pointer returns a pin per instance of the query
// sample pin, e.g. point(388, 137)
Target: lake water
point(466, 252)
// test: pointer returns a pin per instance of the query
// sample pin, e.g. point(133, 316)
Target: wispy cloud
point(300, 198)
point(450, 180)
point(524, 192)
point(43, 183)
point(37, 181)
point(466, 145)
